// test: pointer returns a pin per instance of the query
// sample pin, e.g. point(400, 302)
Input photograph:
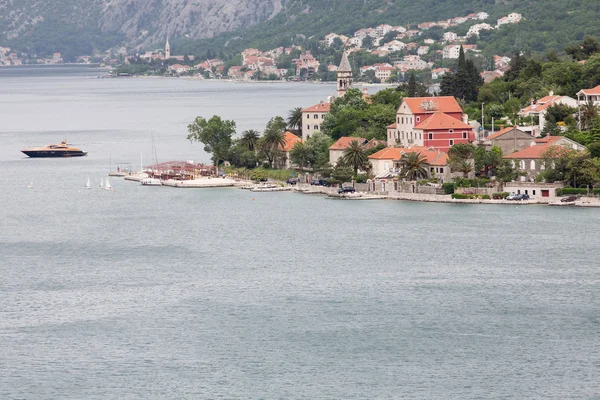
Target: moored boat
point(55, 150)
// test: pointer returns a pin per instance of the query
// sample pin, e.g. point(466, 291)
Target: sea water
point(155, 292)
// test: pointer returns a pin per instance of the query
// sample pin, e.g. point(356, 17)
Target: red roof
point(343, 142)
point(439, 120)
point(592, 91)
point(419, 105)
point(433, 157)
point(540, 105)
point(501, 132)
point(321, 107)
point(392, 126)
point(534, 152)
point(290, 141)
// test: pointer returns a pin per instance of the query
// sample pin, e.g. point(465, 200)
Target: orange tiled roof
point(533, 152)
point(432, 157)
point(439, 120)
point(321, 107)
point(548, 139)
point(392, 126)
point(343, 142)
point(501, 132)
point(290, 141)
point(446, 104)
point(592, 91)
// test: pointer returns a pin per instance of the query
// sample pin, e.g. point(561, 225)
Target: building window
point(451, 142)
point(307, 116)
point(441, 170)
point(316, 116)
point(464, 135)
point(522, 164)
point(451, 130)
point(308, 127)
point(316, 127)
point(420, 136)
point(418, 119)
point(398, 119)
point(430, 136)
point(532, 165)
point(533, 192)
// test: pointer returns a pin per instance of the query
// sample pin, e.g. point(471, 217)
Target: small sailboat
point(30, 185)
point(107, 185)
point(88, 184)
point(101, 183)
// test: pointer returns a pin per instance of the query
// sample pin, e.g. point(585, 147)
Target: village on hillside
point(429, 47)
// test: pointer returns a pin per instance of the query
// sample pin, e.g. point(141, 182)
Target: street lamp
point(482, 128)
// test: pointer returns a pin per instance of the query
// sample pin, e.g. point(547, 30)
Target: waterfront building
point(436, 122)
point(312, 118)
point(290, 141)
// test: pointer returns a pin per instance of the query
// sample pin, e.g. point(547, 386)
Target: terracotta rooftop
point(290, 141)
point(433, 157)
point(592, 91)
point(534, 152)
point(502, 132)
point(321, 107)
point(439, 120)
point(419, 105)
point(343, 142)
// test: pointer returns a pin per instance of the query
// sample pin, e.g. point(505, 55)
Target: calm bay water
point(221, 293)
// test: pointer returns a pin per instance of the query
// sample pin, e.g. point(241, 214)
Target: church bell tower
point(167, 49)
point(344, 76)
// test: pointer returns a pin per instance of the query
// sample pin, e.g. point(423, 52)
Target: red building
point(431, 122)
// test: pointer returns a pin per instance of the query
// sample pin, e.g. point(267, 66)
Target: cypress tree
point(412, 85)
point(461, 84)
point(447, 85)
point(475, 81)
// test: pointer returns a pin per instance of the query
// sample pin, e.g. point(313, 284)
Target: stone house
point(509, 140)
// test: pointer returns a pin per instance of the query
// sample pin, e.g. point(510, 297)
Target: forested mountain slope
point(81, 26)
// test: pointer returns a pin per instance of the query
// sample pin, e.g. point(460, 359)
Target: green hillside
point(548, 24)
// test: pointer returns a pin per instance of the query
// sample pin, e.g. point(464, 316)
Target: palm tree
point(463, 166)
point(354, 156)
point(413, 166)
point(294, 120)
point(491, 161)
point(300, 154)
point(589, 113)
point(271, 143)
point(249, 139)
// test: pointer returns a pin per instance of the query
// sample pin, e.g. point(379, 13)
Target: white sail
point(88, 184)
point(101, 183)
point(107, 185)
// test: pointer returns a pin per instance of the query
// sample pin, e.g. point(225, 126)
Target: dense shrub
point(569, 191)
point(361, 178)
point(462, 196)
point(448, 188)
point(500, 195)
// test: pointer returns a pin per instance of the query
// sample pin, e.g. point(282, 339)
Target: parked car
point(317, 182)
point(511, 196)
point(346, 189)
point(292, 181)
point(568, 199)
point(522, 196)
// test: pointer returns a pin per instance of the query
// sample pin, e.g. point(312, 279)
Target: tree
point(594, 149)
point(273, 139)
point(589, 113)
point(354, 156)
point(215, 134)
point(319, 144)
point(249, 139)
point(341, 173)
point(463, 166)
point(412, 85)
point(413, 166)
point(294, 120)
point(300, 154)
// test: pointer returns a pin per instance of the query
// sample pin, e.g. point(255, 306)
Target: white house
point(511, 18)
point(539, 109)
point(475, 29)
point(450, 36)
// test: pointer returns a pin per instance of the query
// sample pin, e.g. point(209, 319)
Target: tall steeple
point(344, 76)
point(167, 49)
